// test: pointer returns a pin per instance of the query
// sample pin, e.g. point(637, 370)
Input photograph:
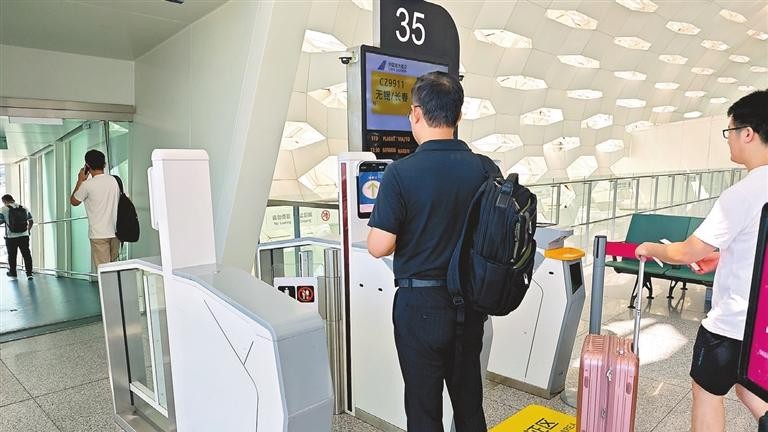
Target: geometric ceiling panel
point(529, 169)
point(582, 167)
point(299, 134)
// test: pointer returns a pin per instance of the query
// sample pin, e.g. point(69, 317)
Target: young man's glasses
point(726, 131)
point(410, 111)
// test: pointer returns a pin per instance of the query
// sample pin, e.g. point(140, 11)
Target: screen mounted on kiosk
point(387, 83)
point(753, 368)
point(368, 183)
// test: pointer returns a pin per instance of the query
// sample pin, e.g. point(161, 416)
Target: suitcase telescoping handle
point(638, 307)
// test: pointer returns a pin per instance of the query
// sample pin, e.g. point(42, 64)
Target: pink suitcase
point(607, 399)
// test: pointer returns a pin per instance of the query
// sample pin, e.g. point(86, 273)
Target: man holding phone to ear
point(100, 193)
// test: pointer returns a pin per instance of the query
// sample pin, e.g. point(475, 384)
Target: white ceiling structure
point(530, 103)
point(120, 29)
point(648, 63)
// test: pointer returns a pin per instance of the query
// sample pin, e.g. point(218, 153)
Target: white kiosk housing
point(194, 346)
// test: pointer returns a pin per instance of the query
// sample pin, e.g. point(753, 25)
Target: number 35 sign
point(418, 29)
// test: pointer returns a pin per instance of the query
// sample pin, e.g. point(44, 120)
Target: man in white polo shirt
point(731, 227)
point(100, 194)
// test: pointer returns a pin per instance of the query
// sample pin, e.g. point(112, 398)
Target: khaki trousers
point(104, 251)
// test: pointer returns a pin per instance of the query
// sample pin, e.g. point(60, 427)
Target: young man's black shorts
point(715, 362)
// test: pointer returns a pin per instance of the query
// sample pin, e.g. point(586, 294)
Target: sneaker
point(10, 275)
point(29, 277)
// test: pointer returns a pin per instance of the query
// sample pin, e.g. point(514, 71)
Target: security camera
point(348, 57)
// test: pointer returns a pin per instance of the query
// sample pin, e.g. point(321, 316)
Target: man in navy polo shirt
point(419, 213)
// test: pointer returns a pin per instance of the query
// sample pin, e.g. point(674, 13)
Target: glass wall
point(59, 238)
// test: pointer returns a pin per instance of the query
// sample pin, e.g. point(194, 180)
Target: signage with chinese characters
point(387, 83)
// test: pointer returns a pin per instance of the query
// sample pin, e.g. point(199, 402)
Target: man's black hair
point(752, 111)
point(95, 159)
point(440, 96)
point(7, 198)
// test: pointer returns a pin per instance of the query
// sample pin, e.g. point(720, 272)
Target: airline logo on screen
point(399, 68)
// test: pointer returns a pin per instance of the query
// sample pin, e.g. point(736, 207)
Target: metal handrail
point(556, 182)
point(60, 220)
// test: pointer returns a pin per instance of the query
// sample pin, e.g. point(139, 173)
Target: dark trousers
point(20, 243)
point(425, 336)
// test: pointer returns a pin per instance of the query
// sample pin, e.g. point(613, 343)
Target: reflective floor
point(44, 304)
point(59, 381)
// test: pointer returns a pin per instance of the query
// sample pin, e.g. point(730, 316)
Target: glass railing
point(591, 206)
point(137, 335)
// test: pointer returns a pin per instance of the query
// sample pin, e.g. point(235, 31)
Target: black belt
point(420, 283)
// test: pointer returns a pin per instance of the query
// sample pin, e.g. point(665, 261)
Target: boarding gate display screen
point(754, 352)
point(387, 82)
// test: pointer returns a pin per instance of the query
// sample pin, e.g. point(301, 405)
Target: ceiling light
point(718, 100)
point(573, 19)
point(475, 108)
point(714, 45)
point(702, 71)
point(36, 120)
point(584, 94)
point(632, 42)
point(317, 42)
point(639, 5)
point(334, 96)
point(610, 145)
point(639, 125)
point(630, 103)
point(747, 88)
point(738, 58)
point(692, 114)
point(579, 61)
point(683, 28)
point(758, 34)
point(503, 38)
point(582, 167)
point(597, 121)
point(521, 82)
point(733, 16)
point(630, 75)
point(542, 117)
point(726, 80)
point(562, 144)
point(695, 93)
point(299, 134)
point(758, 69)
point(529, 169)
point(664, 109)
point(498, 143)
point(667, 85)
point(364, 4)
point(673, 59)
point(323, 178)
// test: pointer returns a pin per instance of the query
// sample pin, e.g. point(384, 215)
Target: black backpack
point(127, 227)
point(492, 265)
point(17, 219)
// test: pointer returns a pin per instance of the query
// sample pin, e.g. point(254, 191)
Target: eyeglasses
point(410, 110)
point(725, 131)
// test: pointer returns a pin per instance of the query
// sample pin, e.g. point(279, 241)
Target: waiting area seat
point(653, 228)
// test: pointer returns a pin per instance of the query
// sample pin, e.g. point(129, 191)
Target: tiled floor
point(58, 381)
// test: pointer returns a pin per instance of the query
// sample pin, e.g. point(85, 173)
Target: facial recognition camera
point(348, 57)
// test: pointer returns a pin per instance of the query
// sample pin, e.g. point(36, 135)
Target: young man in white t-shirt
point(731, 227)
point(100, 194)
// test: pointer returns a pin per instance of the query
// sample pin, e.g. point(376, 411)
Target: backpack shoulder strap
point(119, 184)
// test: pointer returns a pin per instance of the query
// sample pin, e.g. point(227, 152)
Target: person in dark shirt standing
point(419, 213)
